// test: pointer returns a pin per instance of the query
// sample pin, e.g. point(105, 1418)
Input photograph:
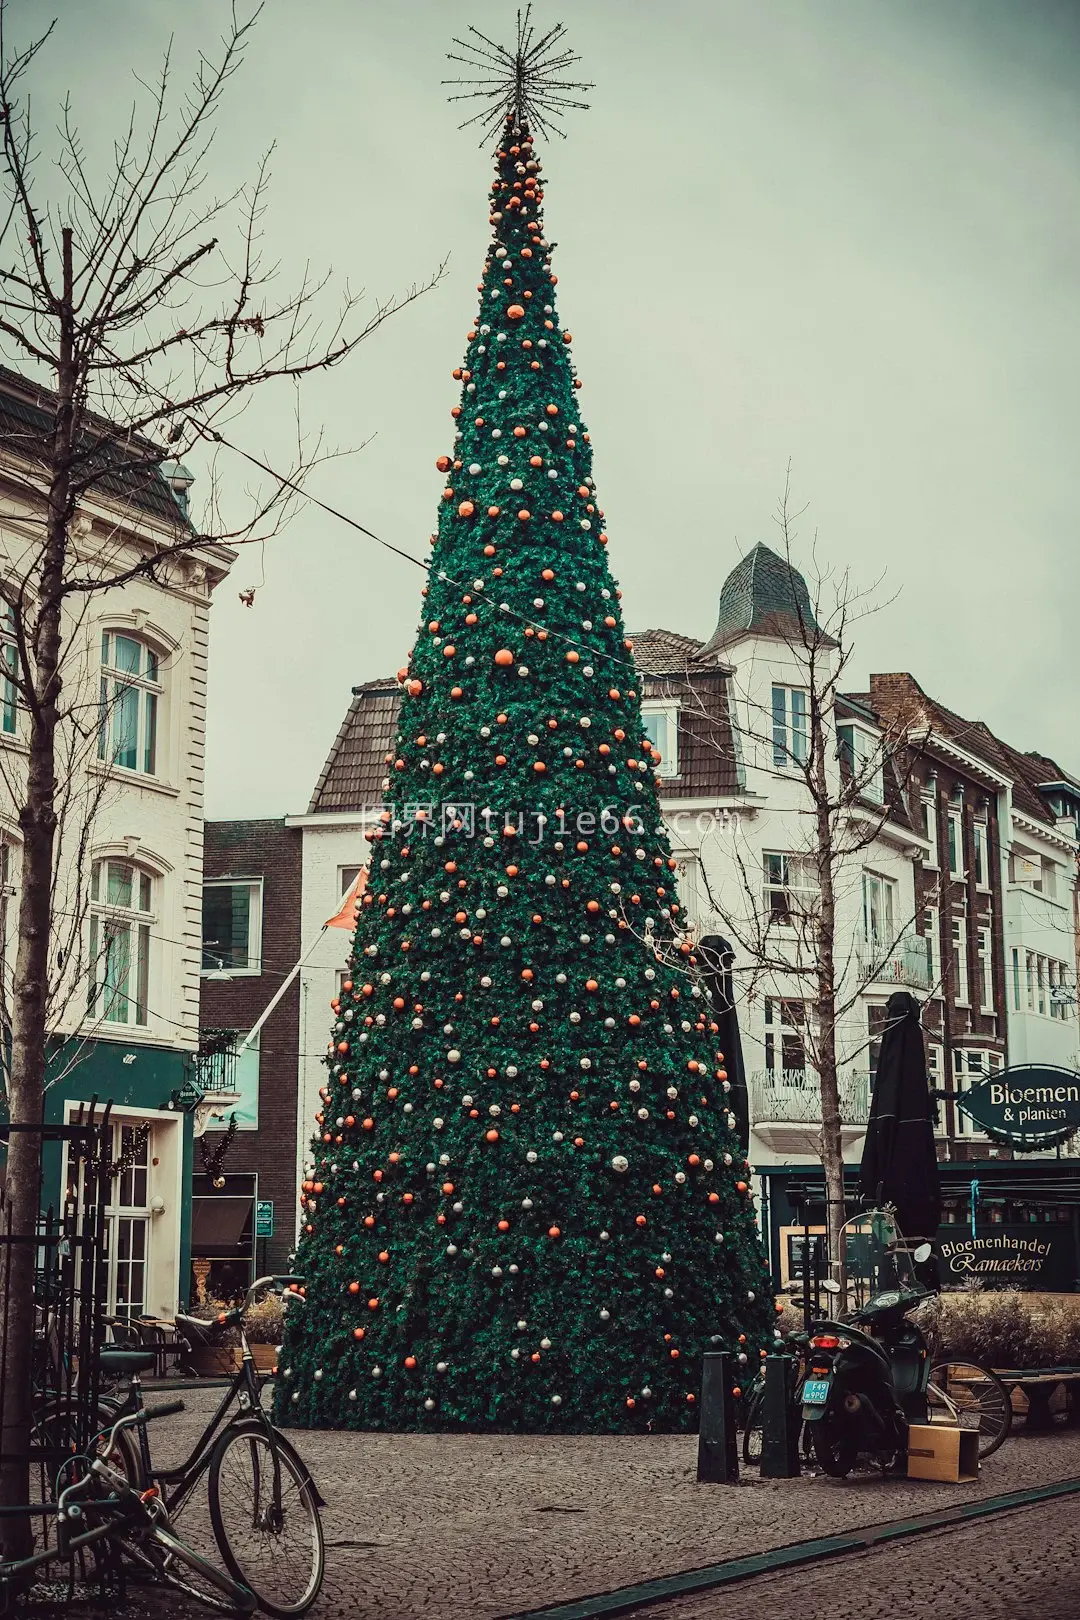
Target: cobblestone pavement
point(448, 1527)
point(1018, 1564)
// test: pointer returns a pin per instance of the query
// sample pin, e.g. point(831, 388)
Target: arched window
point(122, 901)
point(131, 691)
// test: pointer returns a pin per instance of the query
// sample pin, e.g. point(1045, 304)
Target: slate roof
point(356, 765)
point(26, 419)
point(1025, 771)
point(765, 594)
point(664, 652)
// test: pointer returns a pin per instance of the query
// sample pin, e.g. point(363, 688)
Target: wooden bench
point(1038, 1385)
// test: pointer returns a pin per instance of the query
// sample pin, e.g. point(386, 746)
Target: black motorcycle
point(868, 1374)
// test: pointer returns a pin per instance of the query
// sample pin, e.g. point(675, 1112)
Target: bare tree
point(143, 301)
point(797, 927)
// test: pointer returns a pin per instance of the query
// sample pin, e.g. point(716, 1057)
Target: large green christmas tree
point(528, 1209)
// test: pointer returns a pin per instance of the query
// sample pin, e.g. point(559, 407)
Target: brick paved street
point(1022, 1563)
point(447, 1527)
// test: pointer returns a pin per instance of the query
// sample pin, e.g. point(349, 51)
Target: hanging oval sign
point(1029, 1107)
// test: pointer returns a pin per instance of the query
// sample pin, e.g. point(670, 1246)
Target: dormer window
point(660, 723)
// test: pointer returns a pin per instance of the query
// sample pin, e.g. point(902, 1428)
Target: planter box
point(265, 1357)
point(212, 1362)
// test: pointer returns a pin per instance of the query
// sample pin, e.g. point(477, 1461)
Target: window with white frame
point(1062, 991)
point(960, 959)
point(1016, 978)
point(660, 723)
point(1049, 878)
point(131, 692)
point(347, 876)
point(785, 1040)
point(934, 1056)
point(232, 926)
point(9, 666)
point(790, 727)
point(790, 886)
point(930, 934)
point(860, 754)
point(121, 921)
point(980, 834)
point(877, 1022)
point(879, 914)
point(929, 805)
point(956, 844)
point(688, 880)
point(971, 1064)
point(986, 970)
point(1047, 985)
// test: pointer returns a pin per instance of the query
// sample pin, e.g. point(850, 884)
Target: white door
point(128, 1231)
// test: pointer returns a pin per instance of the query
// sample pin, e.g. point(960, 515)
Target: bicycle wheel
point(751, 1440)
point(965, 1393)
point(271, 1540)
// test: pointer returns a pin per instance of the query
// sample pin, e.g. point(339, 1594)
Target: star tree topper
point(527, 83)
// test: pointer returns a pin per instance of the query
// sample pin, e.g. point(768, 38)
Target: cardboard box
point(944, 1452)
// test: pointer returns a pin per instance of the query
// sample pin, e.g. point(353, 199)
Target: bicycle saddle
point(114, 1358)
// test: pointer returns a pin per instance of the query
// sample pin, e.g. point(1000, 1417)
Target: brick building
point(997, 889)
point(251, 943)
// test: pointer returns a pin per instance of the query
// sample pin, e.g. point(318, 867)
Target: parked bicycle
point(101, 1511)
point(264, 1504)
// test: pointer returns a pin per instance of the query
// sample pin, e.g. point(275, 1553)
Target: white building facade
point(128, 910)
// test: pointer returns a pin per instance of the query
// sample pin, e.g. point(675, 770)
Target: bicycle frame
point(244, 1394)
point(124, 1510)
point(245, 1391)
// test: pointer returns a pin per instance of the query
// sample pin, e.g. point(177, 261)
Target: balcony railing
point(907, 962)
point(214, 1068)
point(793, 1096)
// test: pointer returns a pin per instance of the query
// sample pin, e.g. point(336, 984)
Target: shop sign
point(1022, 1255)
point(1029, 1107)
point(264, 1218)
point(187, 1097)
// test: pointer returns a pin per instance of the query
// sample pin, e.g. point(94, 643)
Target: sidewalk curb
point(621, 1599)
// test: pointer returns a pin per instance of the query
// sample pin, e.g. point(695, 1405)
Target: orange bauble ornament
point(504, 657)
point(466, 509)
point(515, 311)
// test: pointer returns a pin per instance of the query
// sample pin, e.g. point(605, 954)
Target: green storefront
point(1006, 1223)
point(149, 1214)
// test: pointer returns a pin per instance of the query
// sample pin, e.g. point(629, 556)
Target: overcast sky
point(843, 232)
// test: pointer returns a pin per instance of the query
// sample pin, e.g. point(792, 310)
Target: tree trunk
point(832, 1146)
point(26, 1095)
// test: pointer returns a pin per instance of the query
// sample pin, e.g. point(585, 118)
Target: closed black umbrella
point(717, 956)
point(899, 1163)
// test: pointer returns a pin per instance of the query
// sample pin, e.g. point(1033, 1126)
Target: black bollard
point(718, 1457)
point(781, 1420)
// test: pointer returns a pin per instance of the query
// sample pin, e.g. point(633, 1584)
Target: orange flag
point(345, 916)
